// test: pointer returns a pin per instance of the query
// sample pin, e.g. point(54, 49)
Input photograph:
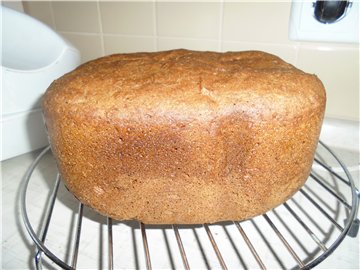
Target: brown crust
point(184, 136)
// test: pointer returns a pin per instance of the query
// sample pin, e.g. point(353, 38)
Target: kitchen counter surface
point(18, 249)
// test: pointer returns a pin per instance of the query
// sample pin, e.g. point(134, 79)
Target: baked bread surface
point(184, 136)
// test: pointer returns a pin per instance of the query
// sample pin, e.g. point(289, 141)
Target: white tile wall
point(40, 10)
point(76, 16)
point(288, 52)
point(126, 44)
point(339, 72)
point(169, 43)
point(188, 19)
point(100, 28)
point(90, 44)
point(256, 22)
point(135, 18)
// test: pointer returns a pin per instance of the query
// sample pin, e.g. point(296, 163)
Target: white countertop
point(18, 248)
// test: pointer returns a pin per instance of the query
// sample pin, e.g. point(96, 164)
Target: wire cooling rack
point(299, 234)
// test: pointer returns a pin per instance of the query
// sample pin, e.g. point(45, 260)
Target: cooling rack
point(299, 234)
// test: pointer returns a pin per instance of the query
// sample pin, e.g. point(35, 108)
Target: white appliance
point(33, 55)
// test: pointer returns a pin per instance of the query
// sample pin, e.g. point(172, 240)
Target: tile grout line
point(179, 38)
point(101, 28)
point(52, 15)
point(79, 33)
point(107, 34)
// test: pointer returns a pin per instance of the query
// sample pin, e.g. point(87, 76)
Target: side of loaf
point(183, 136)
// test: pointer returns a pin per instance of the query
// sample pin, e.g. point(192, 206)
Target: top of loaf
point(184, 82)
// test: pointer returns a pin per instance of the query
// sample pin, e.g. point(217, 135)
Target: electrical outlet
point(304, 25)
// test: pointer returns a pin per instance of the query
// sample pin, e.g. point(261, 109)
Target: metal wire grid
point(349, 227)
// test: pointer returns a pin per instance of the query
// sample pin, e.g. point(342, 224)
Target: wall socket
point(304, 26)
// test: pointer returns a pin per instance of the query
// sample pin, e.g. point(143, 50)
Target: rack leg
point(77, 237)
point(181, 247)
point(45, 226)
point(110, 239)
point(38, 260)
point(216, 249)
point(146, 247)
point(250, 245)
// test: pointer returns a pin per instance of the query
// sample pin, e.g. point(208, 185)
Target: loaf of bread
point(183, 136)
